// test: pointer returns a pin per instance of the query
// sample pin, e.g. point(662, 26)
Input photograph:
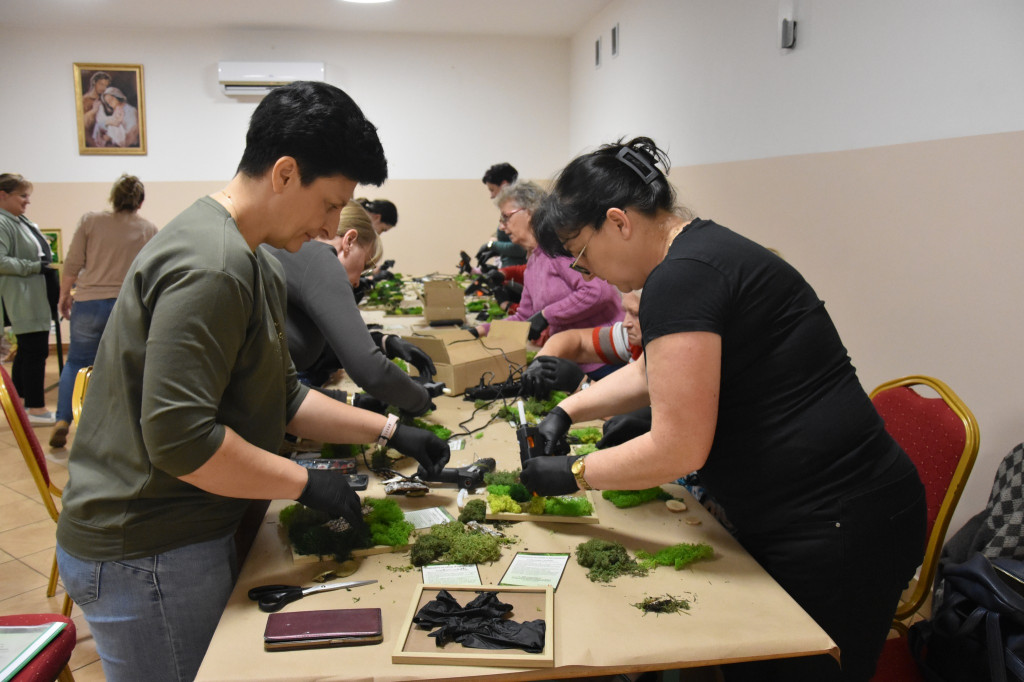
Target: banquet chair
point(78, 393)
point(941, 436)
point(36, 461)
point(51, 663)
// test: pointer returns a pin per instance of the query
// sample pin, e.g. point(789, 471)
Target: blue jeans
point(88, 319)
point(153, 618)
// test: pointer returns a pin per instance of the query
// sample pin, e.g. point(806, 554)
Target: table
point(738, 612)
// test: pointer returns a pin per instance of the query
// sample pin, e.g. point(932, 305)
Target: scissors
point(274, 597)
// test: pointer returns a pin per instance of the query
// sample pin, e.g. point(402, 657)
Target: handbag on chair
point(977, 631)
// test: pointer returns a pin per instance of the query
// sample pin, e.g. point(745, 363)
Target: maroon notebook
point(330, 627)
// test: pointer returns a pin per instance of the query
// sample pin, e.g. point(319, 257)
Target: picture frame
point(56, 245)
point(110, 108)
point(416, 647)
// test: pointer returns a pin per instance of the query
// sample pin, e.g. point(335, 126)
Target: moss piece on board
point(678, 556)
point(634, 498)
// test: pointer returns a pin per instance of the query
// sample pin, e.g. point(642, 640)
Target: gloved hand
point(553, 428)
point(549, 475)
point(363, 288)
point(383, 275)
point(365, 401)
point(623, 427)
point(538, 323)
point(485, 253)
point(465, 264)
point(387, 265)
point(430, 451)
point(471, 329)
point(395, 347)
point(547, 373)
point(328, 491)
point(434, 388)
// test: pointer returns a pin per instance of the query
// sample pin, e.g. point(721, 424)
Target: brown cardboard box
point(461, 359)
point(443, 301)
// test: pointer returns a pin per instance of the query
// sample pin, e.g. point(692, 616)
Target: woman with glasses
point(749, 383)
point(324, 320)
point(555, 297)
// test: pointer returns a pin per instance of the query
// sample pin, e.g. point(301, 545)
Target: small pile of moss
point(314, 532)
point(501, 504)
point(587, 434)
point(568, 506)
point(624, 499)
point(607, 560)
point(451, 543)
point(517, 491)
point(666, 604)
point(679, 555)
point(584, 449)
point(475, 510)
point(501, 477)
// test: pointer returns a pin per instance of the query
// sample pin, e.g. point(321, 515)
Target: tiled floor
point(27, 538)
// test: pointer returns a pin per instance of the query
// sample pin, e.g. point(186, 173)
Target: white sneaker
point(44, 419)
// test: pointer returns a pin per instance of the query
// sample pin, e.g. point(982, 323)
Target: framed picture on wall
point(110, 108)
point(56, 245)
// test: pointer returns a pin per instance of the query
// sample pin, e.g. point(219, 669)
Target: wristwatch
point(579, 470)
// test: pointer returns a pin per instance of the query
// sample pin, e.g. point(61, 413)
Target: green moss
point(568, 506)
point(442, 432)
point(633, 498)
point(340, 450)
point(535, 409)
point(475, 510)
point(536, 505)
point(519, 493)
point(387, 523)
point(530, 355)
point(503, 503)
point(588, 434)
point(607, 560)
point(501, 477)
point(679, 555)
point(402, 364)
point(499, 489)
point(452, 543)
point(584, 449)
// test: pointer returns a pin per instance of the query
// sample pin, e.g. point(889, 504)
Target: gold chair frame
point(78, 393)
point(921, 588)
point(47, 490)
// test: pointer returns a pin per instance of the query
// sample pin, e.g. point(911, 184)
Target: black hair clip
point(640, 165)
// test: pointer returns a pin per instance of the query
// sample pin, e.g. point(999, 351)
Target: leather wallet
point(325, 628)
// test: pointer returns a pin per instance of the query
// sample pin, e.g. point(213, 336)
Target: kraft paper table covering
point(738, 612)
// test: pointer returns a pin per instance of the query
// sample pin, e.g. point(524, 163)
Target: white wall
point(912, 246)
point(446, 106)
point(708, 79)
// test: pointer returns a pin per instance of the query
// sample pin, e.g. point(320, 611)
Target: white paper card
point(425, 518)
point(535, 570)
point(451, 574)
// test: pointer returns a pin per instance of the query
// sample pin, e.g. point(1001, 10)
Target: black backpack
point(977, 631)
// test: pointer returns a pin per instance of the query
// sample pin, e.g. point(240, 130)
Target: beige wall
point(915, 249)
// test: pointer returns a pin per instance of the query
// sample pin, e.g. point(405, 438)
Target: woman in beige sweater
point(103, 247)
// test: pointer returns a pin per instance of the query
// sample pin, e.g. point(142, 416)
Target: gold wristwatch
point(579, 469)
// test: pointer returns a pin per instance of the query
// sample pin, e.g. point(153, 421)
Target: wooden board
point(547, 518)
point(529, 603)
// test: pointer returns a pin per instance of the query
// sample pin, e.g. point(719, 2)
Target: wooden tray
point(415, 646)
point(547, 518)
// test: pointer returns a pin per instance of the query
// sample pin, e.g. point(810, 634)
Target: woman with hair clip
point(749, 383)
point(24, 268)
point(102, 249)
point(324, 320)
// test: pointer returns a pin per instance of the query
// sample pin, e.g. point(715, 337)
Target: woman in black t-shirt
point(749, 383)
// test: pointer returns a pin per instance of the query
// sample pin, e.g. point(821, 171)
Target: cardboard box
point(443, 302)
point(461, 359)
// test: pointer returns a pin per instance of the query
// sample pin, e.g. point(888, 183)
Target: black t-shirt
point(796, 431)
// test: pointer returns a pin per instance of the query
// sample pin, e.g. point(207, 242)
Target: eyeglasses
point(505, 217)
point(575, 264)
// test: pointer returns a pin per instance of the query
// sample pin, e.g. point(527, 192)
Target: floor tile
point(29, 539)
point(21, 512)
point(16, 578)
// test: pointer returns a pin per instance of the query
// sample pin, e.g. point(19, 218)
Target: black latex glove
point(553, 429)
point(383, 275)
point(430, 451)
point(538, 323)
point(472, 330)
point(387, 265)
point(395, 347)
point(510, 292)
point(465, 265)
point(328, 491)
point(547, 373)
point(485, 253)
point(623, 427)
point(549, 475)
point(434, 388)
point(365, 401)
point(363, 288)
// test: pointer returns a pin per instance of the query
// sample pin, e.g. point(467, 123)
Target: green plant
point(607, 560)
point(633, 498)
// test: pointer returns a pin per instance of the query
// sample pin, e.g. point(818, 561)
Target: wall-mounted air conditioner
point(259, 78)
